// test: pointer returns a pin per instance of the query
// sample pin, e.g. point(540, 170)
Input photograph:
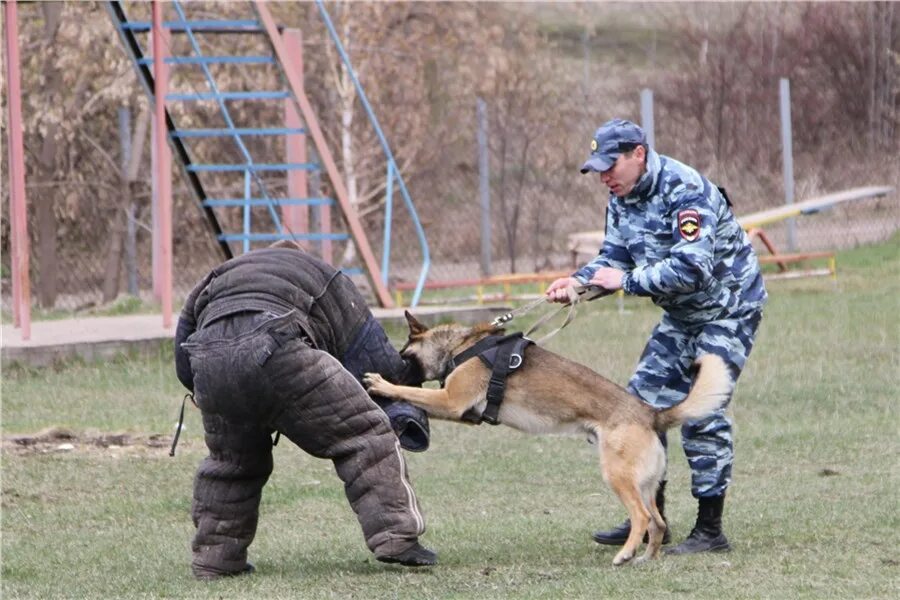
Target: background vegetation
point(548, 73)
point(812, 512)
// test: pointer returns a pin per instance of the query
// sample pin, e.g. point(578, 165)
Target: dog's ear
point(289, 244)
point(414, 325)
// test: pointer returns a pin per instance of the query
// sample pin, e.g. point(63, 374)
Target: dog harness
point(503, 354)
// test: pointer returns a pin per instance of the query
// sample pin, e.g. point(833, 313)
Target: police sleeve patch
point(689, 224)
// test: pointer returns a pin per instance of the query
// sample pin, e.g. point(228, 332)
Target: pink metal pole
point(163, 174)
point(154, 209)
point(325, 227)
point(295, 218)
point(18, 210)
point(161, 162)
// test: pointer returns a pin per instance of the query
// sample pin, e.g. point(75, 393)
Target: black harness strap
point(503, 355)
point(480, 346)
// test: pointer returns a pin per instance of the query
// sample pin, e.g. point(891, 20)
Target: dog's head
point(432, 349)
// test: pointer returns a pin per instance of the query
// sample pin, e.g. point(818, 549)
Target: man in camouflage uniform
point(277, 341)
point(671, 236)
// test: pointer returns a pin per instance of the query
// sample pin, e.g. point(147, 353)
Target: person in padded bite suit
point(276, 340)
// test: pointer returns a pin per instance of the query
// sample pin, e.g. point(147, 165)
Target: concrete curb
point(95, 339)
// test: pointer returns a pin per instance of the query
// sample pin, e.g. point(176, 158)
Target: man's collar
point(647, 182)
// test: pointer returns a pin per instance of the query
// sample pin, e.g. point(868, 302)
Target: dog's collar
point(476, 349)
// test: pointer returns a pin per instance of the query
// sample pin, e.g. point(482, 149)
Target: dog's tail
point(711, 390)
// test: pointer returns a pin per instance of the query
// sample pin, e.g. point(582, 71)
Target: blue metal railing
point(199, 97)
point(392, 170)
point(266, 201)
point(210, 60)
point(254, 168)
point(191, 133)
point(243, 24)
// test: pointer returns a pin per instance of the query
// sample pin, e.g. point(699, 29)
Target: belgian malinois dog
point(551, 394)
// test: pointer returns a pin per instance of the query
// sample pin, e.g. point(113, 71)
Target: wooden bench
point(783, 260)
point(587, 244)
point(584, 243)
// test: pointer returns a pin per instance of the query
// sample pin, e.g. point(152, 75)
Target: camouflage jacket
point(679, 243)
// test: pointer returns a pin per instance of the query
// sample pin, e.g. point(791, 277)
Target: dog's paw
point(622, 557)
point(640, 560)
point(373, 381)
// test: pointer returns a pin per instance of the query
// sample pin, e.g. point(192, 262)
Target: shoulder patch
point(689, 224)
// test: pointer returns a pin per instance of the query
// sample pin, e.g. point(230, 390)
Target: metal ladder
point(254, 196)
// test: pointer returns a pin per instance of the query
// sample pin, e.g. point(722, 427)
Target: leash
point(180, 425)
point(583, 293)
point(506, 318)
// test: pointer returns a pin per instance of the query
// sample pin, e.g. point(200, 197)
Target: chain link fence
point(91, 228)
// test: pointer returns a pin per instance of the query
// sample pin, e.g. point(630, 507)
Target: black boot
point(617, 535)
point(706, 536)
point(208, 575)
point(414, 556)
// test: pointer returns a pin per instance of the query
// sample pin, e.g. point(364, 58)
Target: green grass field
point(812, 512)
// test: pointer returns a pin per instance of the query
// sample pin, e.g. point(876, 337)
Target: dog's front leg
point(435, 402)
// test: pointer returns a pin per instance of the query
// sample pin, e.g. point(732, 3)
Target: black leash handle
point(180, 422)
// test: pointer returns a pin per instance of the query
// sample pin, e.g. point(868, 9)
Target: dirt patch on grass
point(60, 440)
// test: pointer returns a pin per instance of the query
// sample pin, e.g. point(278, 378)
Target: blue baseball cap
point(610, 141)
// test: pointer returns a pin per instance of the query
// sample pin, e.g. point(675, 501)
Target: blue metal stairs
point(254, 193)
point(234, 150)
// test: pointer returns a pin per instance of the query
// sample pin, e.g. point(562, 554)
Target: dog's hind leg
point(657, 527)
point(620, 471)
point(649, 488)
point(640, 520)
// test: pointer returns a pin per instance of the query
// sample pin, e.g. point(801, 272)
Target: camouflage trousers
point(663, 379)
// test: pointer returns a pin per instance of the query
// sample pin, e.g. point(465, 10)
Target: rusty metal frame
point(350, 217)
point(164, 170)
point(18, 207)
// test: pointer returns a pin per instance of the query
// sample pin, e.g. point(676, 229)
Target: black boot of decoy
point(414, 556)
point(706, 536)
point(210, 574)
point(617, 535)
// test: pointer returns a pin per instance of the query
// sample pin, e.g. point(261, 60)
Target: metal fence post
point(784, 89)
point(130, 229)
point(647, 115)
point(484, 187)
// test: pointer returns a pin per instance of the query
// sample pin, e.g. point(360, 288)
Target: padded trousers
point(255, 374)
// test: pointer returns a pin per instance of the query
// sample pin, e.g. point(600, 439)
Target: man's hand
point(559, 289)
point(608, 278)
